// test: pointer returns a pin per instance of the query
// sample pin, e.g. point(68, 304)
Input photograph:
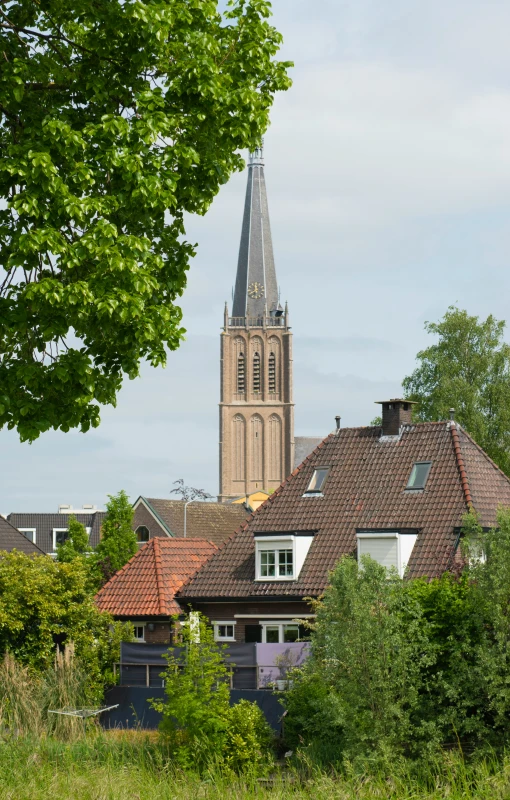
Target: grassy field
point(134, 767)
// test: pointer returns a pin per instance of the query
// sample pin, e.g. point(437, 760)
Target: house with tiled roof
point(143, 591)
point(12, 539)
point(47, 530)
point(214, 522)
point(397, 492)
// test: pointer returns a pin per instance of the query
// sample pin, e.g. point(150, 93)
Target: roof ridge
point(482, 451)
point(461, 466)
point(158, 516)
point(159, 576)
point(269, 499)
point(116, 575)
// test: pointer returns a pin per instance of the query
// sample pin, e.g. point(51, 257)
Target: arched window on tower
point(256, 372)
point(240, 374)
point(272, 373)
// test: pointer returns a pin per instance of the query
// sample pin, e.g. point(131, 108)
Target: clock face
point(256, 290)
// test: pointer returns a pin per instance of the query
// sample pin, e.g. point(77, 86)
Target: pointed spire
point(256, 287)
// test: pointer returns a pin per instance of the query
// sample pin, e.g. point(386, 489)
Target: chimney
point(338, 420)
point(395, 413)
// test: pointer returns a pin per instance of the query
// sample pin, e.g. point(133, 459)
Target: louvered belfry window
point(272, 373)
point(240, 374)
point(256, 372)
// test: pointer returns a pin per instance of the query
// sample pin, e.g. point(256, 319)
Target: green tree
point(116, 118)
point(44, 603)
point(467, 369)
point(199, 725)
point(77, 543)
point(118, 540)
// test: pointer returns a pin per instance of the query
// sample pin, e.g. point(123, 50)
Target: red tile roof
point(147, 584)
point(365, 489)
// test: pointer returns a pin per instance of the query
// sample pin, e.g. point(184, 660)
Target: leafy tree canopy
point(116, 117)
point(118, 541)
point(468, 369)
point(77, 543)
point(44, 603)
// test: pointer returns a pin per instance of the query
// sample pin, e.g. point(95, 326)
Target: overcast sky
point(388, 176)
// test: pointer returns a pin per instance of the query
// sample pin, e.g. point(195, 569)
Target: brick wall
point(144, 517)
point(162, 633)
point(227, 611)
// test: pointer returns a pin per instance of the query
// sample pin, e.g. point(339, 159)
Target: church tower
point(256, 408)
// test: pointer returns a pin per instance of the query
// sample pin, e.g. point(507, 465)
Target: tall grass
point(135, 766)
point(26, 699)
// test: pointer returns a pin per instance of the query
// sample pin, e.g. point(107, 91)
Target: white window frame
point(280, 624)
point(54, 534)
point(387, 535)
point(141, 625)
point(217, 637)
point(274, 544)
point(33, 531)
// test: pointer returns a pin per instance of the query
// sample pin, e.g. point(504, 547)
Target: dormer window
point(316, 485)
point(419, 475)
point(280, 557)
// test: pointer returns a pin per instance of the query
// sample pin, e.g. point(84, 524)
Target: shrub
point(248, 738)
point(198, 724)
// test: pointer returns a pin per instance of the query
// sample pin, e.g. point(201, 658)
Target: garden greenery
point(199, 725)
point(405, 667)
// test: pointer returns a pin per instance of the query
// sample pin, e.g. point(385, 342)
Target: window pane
point(272, 634)
point(61, 536)
point(285, 563)
point(225, 631)
point(138, 632)
point(28, 535)
point(419, 475)
point(318, 480)
point(268, 563)
point(290, 633)
point(142, 533)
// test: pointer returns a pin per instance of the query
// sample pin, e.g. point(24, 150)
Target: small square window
point(419, 475)
point(60, 535)
point(290, 633)
point(224, 631)
point(316, 485)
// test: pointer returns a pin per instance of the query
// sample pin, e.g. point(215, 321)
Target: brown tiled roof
point(12, 539)
point(365, 489)
point(214, 522)
point(146, 585)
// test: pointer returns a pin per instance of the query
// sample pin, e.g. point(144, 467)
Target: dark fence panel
point(134, 710)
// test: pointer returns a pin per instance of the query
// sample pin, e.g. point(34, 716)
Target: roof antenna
point(452, 414)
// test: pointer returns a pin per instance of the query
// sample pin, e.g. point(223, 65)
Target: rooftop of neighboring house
point(12, 539)
point(44, 528)
point(214, 522)
point(397, 492)
point(147, 584)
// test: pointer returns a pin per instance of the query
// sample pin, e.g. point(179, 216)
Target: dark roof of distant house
point(303, 446)
point(146, 585)
point(45, 523)
point(365, 490)
point(12, 539)
point(214, 522)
